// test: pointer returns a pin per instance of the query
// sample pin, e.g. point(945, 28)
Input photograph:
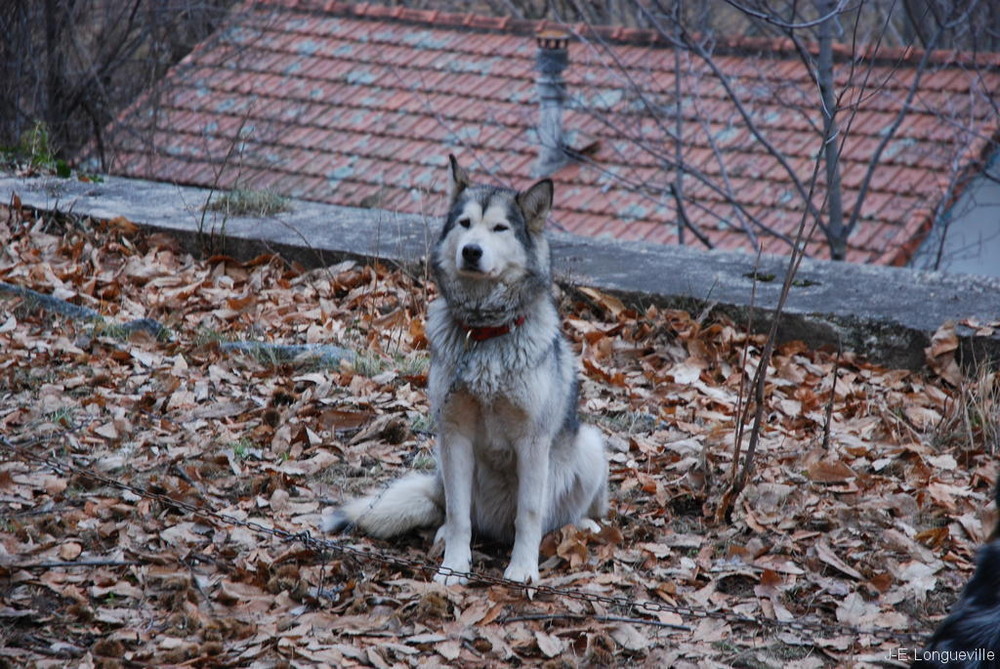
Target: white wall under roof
point(971, 230)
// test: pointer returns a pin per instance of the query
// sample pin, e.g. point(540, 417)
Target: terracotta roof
point(360, 105)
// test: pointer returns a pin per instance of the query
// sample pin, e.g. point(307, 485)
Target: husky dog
point(513, 462)
point(969, 637)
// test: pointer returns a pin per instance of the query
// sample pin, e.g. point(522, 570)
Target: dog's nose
point(472, 253)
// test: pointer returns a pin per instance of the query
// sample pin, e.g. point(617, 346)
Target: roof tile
point(360, 104)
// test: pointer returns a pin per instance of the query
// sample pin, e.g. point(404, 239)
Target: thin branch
point(695, 47)
point(678, 144)
point(742, 405)
point(724, 191)
point(784, 25)
point(828, 419)
point(682, 217)
point(724, 510)
point(589, 618)
point(898, 121)
point(77, 563)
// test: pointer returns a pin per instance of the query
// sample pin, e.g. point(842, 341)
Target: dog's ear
point(535, 203)
point(457, 179)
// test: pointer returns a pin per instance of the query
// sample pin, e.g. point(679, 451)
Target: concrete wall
point(886, 314)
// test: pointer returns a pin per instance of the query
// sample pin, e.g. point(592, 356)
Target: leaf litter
point(877, 530)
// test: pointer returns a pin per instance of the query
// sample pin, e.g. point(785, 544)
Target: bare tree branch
point(897, 121)
point(770, 18)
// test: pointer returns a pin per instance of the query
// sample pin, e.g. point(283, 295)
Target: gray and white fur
point(513, 461)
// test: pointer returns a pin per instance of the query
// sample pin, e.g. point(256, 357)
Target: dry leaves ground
point(877, 530)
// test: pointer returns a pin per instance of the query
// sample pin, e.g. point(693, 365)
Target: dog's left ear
point(535, 203)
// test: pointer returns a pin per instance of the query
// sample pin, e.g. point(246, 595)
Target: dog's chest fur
point(506, 366)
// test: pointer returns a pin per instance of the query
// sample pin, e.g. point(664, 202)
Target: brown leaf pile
point(878, 530)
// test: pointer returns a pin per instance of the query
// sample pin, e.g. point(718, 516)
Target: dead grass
point(246, 202)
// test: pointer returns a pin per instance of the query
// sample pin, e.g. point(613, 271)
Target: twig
point(725, 508)
point(238, 139)
point(742, 402)
point(724, 189)
point(326, 353)
point(78, 563)
point(699, 50)
point(829, 406)
point(770, 18)
point(601, 619)
point(197, 585)
point(62, 650)
point(79, 313)
point(889, 133)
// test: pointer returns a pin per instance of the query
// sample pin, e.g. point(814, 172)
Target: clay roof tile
point(347, 102)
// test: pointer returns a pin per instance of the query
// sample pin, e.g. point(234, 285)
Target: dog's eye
point(500, 227)
point(464, 222)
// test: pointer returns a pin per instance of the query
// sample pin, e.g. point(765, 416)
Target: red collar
point(490, 331)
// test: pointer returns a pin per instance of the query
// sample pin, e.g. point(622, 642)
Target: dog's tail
point(416, 500)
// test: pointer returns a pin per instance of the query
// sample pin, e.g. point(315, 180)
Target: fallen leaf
point(855, 611)
point(827, 555)
point(549, 644)
point(940, 354)
point(70, 550)
point(826, 471)
point(609, 302)
point(449, 650)
point(629, 637)
point(919, 579)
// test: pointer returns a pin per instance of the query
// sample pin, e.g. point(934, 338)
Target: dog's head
point(492, 233)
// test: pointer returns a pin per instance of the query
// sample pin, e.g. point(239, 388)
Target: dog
point(513, 460)
point(973, 626)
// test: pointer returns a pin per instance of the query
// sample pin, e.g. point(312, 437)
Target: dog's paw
point(335, 522)
point(457, 558)
point(447, 576)
point(589, 525)
point(522, 573)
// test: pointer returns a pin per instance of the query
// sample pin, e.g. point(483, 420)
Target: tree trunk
point(53, 111)
point(836, 232)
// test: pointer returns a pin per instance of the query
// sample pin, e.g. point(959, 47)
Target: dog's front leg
point(457, 470)
point(532, 493)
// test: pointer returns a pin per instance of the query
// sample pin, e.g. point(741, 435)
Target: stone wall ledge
point(886, 314)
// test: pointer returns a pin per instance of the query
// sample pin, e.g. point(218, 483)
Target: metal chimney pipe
point(551, 59)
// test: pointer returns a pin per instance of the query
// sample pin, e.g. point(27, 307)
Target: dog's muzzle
point(471, 255)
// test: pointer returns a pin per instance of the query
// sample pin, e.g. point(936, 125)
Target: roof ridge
point(731, 44)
